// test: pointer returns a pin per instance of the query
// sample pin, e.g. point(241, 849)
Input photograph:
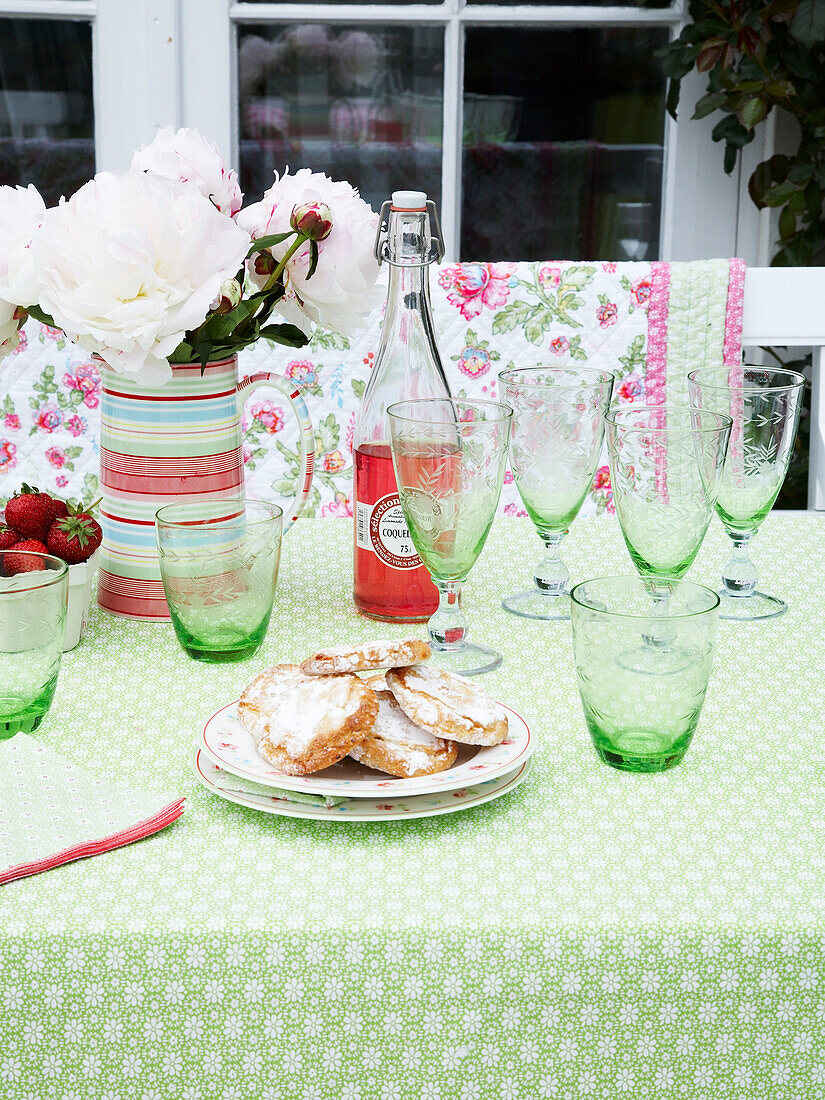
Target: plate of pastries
point(372, 722)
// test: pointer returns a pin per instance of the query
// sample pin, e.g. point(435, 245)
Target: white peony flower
point(130, 263)
point(342, 290)
point(257, 58)
point(358, 58)
point(21, 211)
point(9, 329)
point(308, 45)
point(186, 156)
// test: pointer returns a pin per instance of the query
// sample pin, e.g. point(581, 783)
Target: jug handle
point(306, 435)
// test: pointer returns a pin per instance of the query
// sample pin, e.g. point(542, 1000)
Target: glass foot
point(745, 608)
point(532, 604)
point(467, 660)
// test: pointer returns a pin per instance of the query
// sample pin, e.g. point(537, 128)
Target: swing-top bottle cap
point(409, 200)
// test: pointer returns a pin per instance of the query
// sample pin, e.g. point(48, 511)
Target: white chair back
point(786, 306)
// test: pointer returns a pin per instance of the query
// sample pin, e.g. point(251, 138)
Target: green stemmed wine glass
point(764, 405)
point(665, 469)
point(558, 429)
point(449, 459)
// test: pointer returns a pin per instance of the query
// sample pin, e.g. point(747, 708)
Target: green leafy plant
point(760, 56)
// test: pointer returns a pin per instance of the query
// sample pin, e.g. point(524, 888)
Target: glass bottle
point(391, 582)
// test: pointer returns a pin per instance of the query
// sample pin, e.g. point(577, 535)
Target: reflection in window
point(46, 113)
point(562, 152)
point(357, 103)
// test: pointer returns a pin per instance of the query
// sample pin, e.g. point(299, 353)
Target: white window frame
point(173, 62)
point(454, 16)
point(134, 66)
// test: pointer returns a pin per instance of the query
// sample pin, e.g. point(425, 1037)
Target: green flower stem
point(300, 238)
point(249, 324)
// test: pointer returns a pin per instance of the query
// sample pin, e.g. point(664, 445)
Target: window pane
point(46, 114)
point(552, 3)
point(366, 3)
point(563, 152)
point(358, 103)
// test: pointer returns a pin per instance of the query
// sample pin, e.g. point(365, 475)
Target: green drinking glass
point(666, 470)
point(449, 459)
point(642, 719)
point(558, 429)
point(219, 563)
point(764, 405)
point(32, 627)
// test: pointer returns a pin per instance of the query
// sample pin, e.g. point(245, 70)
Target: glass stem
point(448, 627)
point(739, 576)
point(662, 636)
point(552, 574)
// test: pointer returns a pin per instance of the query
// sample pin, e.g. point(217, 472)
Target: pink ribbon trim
point(142, 829)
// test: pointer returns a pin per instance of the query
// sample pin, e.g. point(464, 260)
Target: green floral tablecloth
point(591, 934)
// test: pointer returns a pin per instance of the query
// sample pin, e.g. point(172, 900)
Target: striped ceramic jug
point(167, 443)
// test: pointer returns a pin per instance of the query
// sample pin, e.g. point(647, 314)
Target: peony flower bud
point(343, 289)
point(228, 297)
point(264, 263)
point(313, 219)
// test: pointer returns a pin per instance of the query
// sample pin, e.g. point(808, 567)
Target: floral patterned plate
point(231, 747)
point(361, 809)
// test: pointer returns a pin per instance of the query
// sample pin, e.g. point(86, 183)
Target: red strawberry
point(7, 537)
point(76, 537)
point(60, 509)
point(30, 513)
point(17, 559)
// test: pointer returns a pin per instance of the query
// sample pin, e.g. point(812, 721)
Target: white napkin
point(228, 782)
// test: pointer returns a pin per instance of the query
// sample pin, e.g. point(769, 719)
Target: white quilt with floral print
point(648, 323)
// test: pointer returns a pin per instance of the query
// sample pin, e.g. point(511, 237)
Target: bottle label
point(381, 528)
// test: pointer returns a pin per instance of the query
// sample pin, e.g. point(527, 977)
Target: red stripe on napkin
point(142, 829)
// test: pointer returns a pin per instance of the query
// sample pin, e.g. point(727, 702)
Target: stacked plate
point(227, 763)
